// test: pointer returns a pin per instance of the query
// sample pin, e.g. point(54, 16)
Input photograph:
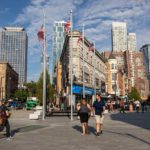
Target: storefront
point(78, 92)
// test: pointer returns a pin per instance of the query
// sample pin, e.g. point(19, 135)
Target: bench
point(61, 113)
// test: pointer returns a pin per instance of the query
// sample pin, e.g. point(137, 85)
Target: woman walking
point(84, 111)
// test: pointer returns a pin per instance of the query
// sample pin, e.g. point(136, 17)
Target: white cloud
point(97, 15)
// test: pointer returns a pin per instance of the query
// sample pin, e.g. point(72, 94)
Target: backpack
point(3, 116)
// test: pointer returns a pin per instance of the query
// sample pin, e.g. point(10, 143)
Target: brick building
point(130, 73)
point(8, 80)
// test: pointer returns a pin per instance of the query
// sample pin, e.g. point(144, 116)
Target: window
point(140, 74)
point(97, 82)
point(86, 78)
point(138, 61)
point(112, 66)
point(114, 88)
point(113, 76)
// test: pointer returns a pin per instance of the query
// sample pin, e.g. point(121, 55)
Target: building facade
point(131, 41)
point(8, 80)
point(130, 73)
point(85, 69)
point(119, 36)
point(58, 41)
point(13, 49)
point(145, 49)
point(115, 78)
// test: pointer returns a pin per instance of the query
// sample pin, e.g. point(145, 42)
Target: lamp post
point(1, 88)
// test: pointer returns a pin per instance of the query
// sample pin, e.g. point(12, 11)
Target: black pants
point(7, 128)
point(122, 110)
point(137, 109)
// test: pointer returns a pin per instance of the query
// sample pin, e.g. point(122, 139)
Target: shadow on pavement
point(136, 119)
point(129, 135)
point(79, 129)
point(26, 129)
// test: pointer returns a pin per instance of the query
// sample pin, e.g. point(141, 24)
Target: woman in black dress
point(85, 109)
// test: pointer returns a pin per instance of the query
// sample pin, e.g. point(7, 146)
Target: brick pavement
point(129, 131)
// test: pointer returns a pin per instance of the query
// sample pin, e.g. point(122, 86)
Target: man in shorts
point(99, 107)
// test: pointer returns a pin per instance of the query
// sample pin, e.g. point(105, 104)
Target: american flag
point(80, 38)
point(67, 26)
point(91, 47)
point(40, 34)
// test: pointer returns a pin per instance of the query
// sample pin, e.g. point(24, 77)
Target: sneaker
point(9, 138)
point(96, 133)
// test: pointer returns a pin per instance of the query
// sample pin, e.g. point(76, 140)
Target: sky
point(96, 15)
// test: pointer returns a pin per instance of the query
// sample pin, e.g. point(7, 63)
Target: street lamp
point(1, 88)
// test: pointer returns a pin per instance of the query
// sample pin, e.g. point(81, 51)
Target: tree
point(49, 88)
point(21, 95)
point(134, 94)
point(32, 88)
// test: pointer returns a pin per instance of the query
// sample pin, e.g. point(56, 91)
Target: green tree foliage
point(49, 88)
point(134, 94)
point(32, 88)
point(21, 95)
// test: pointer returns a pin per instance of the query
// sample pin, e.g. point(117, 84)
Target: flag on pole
point(80, 38)
point(91, 47)
point(67, 26)
point(40, 34)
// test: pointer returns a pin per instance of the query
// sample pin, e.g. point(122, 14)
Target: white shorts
point(99, 119)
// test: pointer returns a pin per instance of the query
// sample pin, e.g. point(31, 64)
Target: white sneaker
point(9, 138)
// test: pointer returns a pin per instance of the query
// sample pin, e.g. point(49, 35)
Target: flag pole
point(44, 67)
point(83, 60)
point(71, 63)
point(94, 71)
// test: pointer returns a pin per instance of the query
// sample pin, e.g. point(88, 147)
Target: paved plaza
point(130, 131)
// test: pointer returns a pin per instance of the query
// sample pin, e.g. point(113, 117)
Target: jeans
point(7, 128)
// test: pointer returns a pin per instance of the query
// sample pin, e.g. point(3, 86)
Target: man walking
point(122, 106)
point(99, 107)
point(4, 115)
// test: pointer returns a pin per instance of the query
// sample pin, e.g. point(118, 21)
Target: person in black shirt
point(84, 110)
point(99, 107)
point(3, 108)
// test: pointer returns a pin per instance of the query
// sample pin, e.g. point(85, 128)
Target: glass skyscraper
point(58, 41)
point(13, 49)
point(146, 58)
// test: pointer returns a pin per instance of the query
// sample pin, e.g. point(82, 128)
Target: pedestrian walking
point(110, 106)
point(4, 122)
point(137, 105)
point(122, 106)
point(143, 105)
point(99, 108)
point(84, 112)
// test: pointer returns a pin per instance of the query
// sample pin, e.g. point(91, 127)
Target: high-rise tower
point(13, 49)
point(119, 36)
point(58, 41)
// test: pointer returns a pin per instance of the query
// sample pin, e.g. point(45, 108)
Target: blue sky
point(97, 15)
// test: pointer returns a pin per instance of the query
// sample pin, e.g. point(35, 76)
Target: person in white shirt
point(137, 105)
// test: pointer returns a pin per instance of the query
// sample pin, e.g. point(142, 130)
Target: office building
point(119, 36)
point(58, 41)
point(87, 69)
point(132, 41)
point(145, 49)
point(13, 49)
